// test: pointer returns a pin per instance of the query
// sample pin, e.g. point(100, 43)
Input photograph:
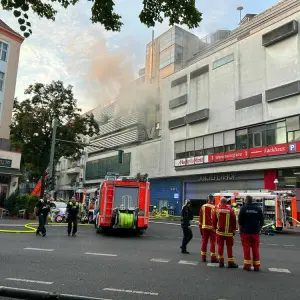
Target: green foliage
point(31, 129)
point(103, 12)
point(16, 202)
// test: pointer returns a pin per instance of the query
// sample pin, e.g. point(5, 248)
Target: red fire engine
point(123, 203)
point(279, 207)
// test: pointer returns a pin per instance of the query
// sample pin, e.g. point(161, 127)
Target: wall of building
point(238, 69)
point(10, 68)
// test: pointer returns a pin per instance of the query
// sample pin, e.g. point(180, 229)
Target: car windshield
point(61, 205)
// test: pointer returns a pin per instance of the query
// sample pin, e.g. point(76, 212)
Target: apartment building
point(231, 116)
point(10, 44)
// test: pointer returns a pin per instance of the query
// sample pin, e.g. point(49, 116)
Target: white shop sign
point(189, 161)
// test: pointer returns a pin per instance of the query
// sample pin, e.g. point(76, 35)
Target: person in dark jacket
point(41, 211)
point(186, 218)
point(251, 220)
point(72, 211)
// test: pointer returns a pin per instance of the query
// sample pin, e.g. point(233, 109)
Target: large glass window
point(3, 51)
point(241, 139)
point(294, 136)
point(2, 75)
point(179, 150)
point(276, 133)
point(190, 148)
point(257, 136)
point(199, 146)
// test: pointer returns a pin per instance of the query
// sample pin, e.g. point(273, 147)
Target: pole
point(51, 162)
point(152, 56)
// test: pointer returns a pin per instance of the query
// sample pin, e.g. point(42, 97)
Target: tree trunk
point(43, 185)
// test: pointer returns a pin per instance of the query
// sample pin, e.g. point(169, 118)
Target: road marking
point(215, 265)
point(47, 293)
point(101, 254)
point(289, 245)
point(39, 249)
point(29, 281)
point(160, 260)
point(272, 244)
point(279, 270)
point(11, 225)
point(166, 223)
point(188, 262)
point(130, 291)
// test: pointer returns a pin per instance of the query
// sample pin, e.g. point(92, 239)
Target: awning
point(10, 171)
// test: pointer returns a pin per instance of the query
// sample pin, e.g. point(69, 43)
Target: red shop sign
point(257, 152)
point(241, 154)
point(219, 157)
point(276, 149)
point(294, 147)
point(230, 155)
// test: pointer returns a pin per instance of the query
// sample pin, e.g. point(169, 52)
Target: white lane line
point(39, 249)
point(188, 262)
point(101, 254)
point(272, 244)
point(47, 293)
point(279, 270)
point(289, 245)
point(130, 291)
point(215, 265)
point(162, 260)
point(29, 281)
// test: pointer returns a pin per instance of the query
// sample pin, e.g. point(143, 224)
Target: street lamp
point(27, 186)
point(276, 183)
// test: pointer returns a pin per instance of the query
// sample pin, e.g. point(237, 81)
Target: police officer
point(251, 220)
point(72, 211)
point(186, 218)
point(41, 210)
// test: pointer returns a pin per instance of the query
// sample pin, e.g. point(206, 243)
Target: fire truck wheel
point(139, 231)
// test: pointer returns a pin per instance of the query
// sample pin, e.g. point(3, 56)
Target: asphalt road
point(142, 268)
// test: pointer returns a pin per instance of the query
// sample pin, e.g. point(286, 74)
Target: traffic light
point(120, 156)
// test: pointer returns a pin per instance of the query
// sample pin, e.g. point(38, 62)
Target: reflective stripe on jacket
point(224, 221)
point(206, 216)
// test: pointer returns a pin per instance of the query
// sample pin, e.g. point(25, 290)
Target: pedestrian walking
point(186, 218)
point(42, 210)
point(251, 220)
point(72, 211)
point(206, 229)
point(224, 223)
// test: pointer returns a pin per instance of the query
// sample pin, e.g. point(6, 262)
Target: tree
point(31, 129)
point(182, 12)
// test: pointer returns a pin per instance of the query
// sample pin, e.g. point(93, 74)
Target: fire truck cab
point(279, 209)
point(123, 203)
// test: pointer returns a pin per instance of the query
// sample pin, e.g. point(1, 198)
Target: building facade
point(231, 116)
point(10, 44)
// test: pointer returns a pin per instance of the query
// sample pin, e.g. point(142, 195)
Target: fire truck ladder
point(108, 200)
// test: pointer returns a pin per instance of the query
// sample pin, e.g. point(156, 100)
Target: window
point(190, 148)
point(257, 136)
point(242, 139)
point(2, 75)
point(276, 133)
point(199, 146)
point(3, 51)
point(223, 61)
point(208, 151)
point(219, 149)
point(294, 136)
point(179, 149)
point(229, 148)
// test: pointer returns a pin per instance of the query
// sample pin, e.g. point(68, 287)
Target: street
point(146, 267)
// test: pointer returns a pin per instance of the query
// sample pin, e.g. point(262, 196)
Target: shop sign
point(189, 161)
point(217, 177)
point(294, 147)
point(5, 162)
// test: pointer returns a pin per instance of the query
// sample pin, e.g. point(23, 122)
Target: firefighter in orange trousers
point(206, 229)
point(224, 222)
point(251, 220)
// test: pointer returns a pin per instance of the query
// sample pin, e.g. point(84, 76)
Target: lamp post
point(276, 183)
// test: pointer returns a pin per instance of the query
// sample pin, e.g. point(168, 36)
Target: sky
point(74, 50)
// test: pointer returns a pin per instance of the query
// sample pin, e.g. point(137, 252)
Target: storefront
point(197, 188)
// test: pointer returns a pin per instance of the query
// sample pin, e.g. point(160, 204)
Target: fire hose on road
point(30, 229)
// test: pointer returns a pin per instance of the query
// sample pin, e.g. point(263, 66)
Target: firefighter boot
point(232, 266)
point(221, 265)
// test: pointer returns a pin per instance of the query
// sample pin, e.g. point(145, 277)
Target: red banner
point(277, 149)
point(230, 155)
point(219, 157)
point(294, 147)
point(257, 152)
point(241, 154)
